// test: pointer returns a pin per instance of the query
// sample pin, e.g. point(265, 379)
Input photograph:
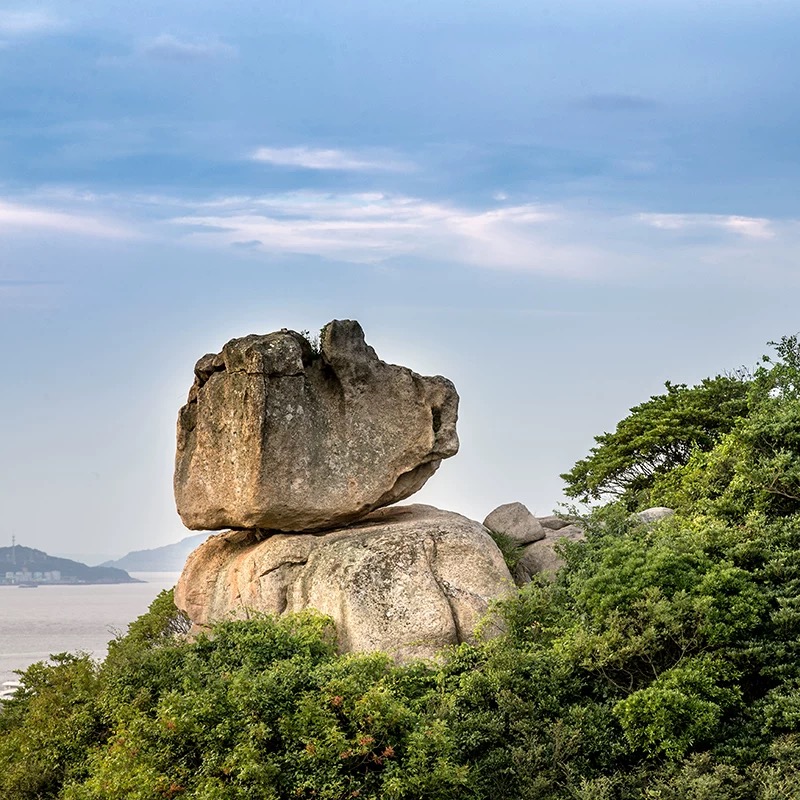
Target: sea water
point(34, 623)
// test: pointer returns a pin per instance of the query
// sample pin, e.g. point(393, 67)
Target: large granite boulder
point(514, 521)
point(407, 580)
point(277, 436)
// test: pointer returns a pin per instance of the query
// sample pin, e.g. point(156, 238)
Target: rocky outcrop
point(514, 521)
point(553, 522)
point(542, 557)
point(277, 436)
point(538, 537)
point(407, 580)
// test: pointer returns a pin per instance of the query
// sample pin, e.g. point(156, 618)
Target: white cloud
point(167, 47)
point(750, 227)
point(19, 217)
point(328, 159)
point(370, 228)
point(566, 241)
point(21, 23)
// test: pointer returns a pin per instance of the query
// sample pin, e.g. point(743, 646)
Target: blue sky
point(557, 205)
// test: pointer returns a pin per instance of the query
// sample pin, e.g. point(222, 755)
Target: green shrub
point(512, 551)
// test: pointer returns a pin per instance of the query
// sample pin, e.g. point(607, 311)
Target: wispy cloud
point(564, 241)
point(751, 227)
point(370, 228)
point(560, 241)
point(19, 217)
point(21, 23)
point(329, 159)
point(167, 47)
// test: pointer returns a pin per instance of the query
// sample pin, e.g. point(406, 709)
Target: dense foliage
point(663, 663)
point(657, 436)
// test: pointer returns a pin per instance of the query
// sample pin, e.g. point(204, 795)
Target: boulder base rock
point(407, 580)
point(516, 522)
point(277, 436)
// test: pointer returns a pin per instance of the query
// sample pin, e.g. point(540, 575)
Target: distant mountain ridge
point(169, 558)
point(32, 562)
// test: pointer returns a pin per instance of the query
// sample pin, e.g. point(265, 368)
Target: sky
point(557, 205)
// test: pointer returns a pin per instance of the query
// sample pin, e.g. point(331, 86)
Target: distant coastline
point(26, 567)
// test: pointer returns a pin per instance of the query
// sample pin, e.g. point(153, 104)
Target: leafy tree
point(755, 467)
point(779, 376)
point(47, 730)
point(656, 437)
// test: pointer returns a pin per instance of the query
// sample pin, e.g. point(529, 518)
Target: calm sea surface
point(53, 619)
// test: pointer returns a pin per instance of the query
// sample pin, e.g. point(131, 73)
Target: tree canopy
point(658, 435)
point(755, 466)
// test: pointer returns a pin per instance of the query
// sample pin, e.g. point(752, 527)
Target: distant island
point(25, 566)
point(169, 558)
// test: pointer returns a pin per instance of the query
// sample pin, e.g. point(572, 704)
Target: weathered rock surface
point(516, 522)
point(541, 556)
point(553, 522)
point(406, 580)
point(279, 437)
point(652, 515)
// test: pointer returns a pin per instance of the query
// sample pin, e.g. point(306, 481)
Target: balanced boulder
point(407, 580)
point(278, 436)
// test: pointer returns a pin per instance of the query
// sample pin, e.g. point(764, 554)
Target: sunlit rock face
point(514, 521)
point(278, 436)
point(406, 580)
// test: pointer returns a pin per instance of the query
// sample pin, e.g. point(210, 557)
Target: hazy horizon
point(558, 207)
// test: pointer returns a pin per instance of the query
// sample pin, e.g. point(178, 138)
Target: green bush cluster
point(663, 663)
